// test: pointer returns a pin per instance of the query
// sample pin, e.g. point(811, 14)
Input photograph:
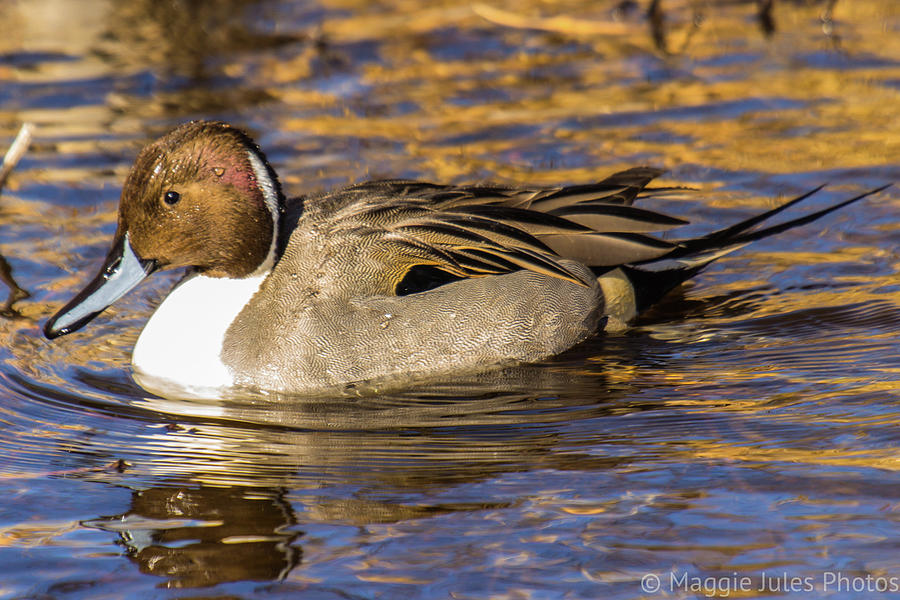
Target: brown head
point(202, 196)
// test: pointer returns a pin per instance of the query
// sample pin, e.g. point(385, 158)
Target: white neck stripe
point(270, 196)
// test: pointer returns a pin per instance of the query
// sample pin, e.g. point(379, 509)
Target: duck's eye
point(172, 197)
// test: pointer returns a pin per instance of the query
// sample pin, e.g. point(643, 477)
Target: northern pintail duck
point(380, 280)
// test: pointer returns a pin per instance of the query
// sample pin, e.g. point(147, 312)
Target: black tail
point(653, 279)
point(651, 286)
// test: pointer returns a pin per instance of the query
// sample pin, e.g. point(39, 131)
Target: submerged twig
point(765, 17)
point(10, 160)
point(15, 292)
point(657, 19)
point(16, 152)
point(656, 16)
point(827, 19)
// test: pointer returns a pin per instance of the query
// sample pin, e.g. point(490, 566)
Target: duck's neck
point(274, 201)
point(181, 344)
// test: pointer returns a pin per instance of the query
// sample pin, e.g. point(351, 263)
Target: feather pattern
point(477, 231)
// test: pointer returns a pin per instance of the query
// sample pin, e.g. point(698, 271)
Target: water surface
point(746, 427)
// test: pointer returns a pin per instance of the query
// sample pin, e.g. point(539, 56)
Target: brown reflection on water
point(192, 48)
point(201, 537)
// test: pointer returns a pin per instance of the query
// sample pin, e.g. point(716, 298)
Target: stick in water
point(16, 152)
point(10, 160)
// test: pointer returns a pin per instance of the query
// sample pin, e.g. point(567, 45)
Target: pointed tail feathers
point(653, 279)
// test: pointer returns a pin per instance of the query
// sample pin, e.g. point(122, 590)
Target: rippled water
point(747, 427)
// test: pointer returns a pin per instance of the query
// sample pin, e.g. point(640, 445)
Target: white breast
point(181, 344)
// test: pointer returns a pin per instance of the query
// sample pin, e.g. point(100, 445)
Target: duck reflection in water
point(199, 537)
point(218, 509)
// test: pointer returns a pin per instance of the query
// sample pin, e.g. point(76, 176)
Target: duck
point(380, 282)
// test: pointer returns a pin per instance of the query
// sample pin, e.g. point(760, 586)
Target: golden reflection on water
point(763, 383)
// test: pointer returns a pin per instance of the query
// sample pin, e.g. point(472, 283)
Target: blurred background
point(748, 425)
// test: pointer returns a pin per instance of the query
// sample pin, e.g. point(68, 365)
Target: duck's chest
point(181, 345)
